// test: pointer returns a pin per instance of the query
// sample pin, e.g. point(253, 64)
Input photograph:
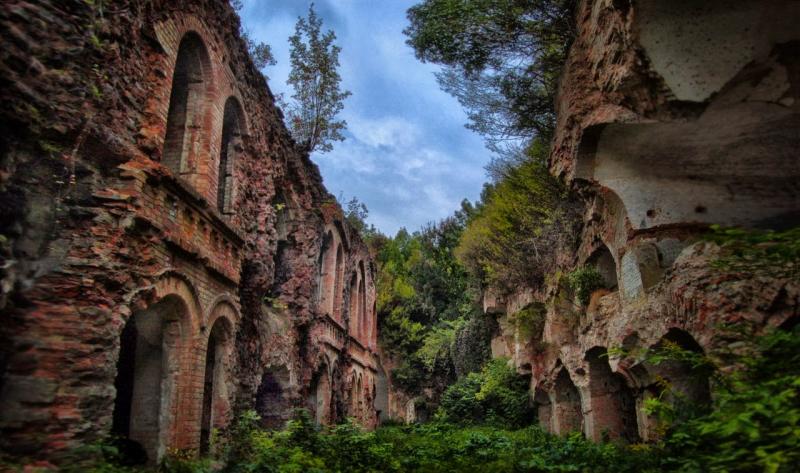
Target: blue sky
point(406, 154)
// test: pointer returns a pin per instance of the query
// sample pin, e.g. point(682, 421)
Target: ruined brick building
point(672, 115)
point(168, 257)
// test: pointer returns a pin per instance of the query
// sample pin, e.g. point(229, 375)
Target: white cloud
point(407, 154)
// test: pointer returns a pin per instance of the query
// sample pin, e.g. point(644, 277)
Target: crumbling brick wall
point(148, 184)
point(671, 116)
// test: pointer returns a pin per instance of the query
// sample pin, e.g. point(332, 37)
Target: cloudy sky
point(406, 154)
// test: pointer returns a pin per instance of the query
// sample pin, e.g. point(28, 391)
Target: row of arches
point(611, 405)
point(172, 373)
point(330, 289)
point(189, 129)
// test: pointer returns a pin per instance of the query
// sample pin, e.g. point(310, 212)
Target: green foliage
point(756, 252)
point(317, 98)
point(356, 213)
point(584, 281)
point(755, 422)
point(424, 302)
point(496, 395)
point(523, 221)
point(529, 321)
point(472, 345)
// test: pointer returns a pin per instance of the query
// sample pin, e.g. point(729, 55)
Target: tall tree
point(317, 98)
point(501, 61)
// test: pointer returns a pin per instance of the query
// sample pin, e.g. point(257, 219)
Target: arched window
point(362, 305)
point(331, 267)
point(230, 147)
point(337, 287)
point(354, 314)
point(186, 105)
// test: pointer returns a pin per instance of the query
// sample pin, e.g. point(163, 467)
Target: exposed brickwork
point(109, 220)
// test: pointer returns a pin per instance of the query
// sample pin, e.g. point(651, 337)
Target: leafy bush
point(584, 281)
point(755, 421)
point(496, 395)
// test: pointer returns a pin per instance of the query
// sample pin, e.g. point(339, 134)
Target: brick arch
point(167, 283)
point(153, 347)
point(218, 349)
point(567, 405)
point(189, 113)
point(202, 173)
point(222, 305)
point(354, 319)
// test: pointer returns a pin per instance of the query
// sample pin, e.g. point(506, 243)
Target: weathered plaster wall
point(108, 224)
point(671, 116)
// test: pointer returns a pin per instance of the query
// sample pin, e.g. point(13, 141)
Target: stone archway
point(612, 403)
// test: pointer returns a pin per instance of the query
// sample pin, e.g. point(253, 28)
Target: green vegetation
point(501, 60)
point(754, 427)
point(495, 396)
point(584, 281)
point(524, 220)
point(529, 321)
point(426, 307)
point(755, 421)
point(766, 253)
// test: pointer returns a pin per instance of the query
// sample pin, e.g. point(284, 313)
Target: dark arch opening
point(320, 396)
point(567, 412)
point(149, 345)
point(604, 262)
point(230, 147)
point(186, 104)
point(327, 265)
point(687, 385)
point(271, 402)
point(214, 376)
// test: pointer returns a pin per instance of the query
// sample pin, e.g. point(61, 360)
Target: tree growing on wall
point(318, 98)
point(260, 52)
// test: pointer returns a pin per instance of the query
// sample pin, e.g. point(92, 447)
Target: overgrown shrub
point(529, 321)
point(496, 395)
point(584, 281)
